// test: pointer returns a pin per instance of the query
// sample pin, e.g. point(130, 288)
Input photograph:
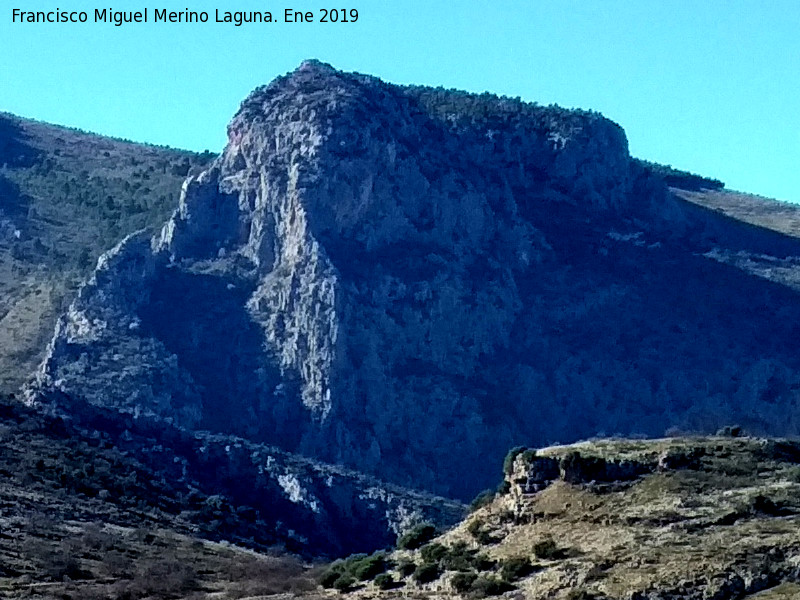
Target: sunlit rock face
point(403, 280)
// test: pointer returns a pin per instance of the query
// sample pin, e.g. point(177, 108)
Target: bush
point(490, 586)
point(384, 581)
point(508, 461)
point(730, 431)
point(462, 582)
point(369, 567)
point(475, 527)
point(426, 572)
point(484, 563)
point(481, 535)
point(546, 548)
point(459, 558)
point(358, 566)
point(515, 568)
point(433, 553)
point(483, 499)
point(344, 583)
point(679, 178)
point(406, 567)
point(330, 576)
point(417, 537)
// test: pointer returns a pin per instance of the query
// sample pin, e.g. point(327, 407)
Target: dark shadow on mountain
point(202, 318)
point(13, 203)
point(14, 148)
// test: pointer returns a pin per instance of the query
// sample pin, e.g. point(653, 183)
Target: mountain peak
point(459, 270)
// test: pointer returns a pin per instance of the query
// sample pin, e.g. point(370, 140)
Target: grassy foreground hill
point(66, 196)
point(677, 519)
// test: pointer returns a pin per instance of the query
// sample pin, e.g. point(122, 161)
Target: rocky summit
point(408, 281)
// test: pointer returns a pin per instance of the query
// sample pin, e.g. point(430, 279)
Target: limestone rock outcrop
point(406, 281)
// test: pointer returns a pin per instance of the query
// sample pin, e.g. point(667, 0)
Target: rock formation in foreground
point(408, 281)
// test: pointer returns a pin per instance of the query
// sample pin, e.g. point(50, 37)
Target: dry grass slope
point(782, 217)
point(714, 517)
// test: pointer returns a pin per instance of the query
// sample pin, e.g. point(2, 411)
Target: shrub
point(330, 576)
point(406, 567)
point(508, 461)
point(426, 572)
point(507, 516)
point(793, 474)
point(344, 583)
point(357, 566)
point(368, 567)
point(475, 526)
point(679, 178)
point(433, 552)
point(515, 568)
point(462, 582)
point(458, 558)
point(546, 548)
point(482, 536)
point(730, 431)
point(483, 499)
point(490, 586)
point(384, 581)
point(417, 537)
point(483, 563)
point(503, 488)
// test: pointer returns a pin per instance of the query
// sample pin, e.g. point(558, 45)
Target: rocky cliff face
point(407, 281)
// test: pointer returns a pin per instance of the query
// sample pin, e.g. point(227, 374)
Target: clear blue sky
point(711, 86)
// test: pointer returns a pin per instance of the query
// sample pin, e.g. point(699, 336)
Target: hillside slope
point(66, 196)
point(374, 275)
point(82, 518)
point(231, 488)
point(670, 519)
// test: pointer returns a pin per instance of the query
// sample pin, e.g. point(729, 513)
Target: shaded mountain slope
point(229, 488)
point(375, 275)
point(82, 518)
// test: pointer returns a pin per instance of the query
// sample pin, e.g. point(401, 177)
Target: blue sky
point(712, 86)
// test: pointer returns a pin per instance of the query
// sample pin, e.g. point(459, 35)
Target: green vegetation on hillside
point(463, 108)
point(66, 196)
point(677, 178)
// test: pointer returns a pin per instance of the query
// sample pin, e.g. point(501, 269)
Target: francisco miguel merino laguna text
point(237, 18)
